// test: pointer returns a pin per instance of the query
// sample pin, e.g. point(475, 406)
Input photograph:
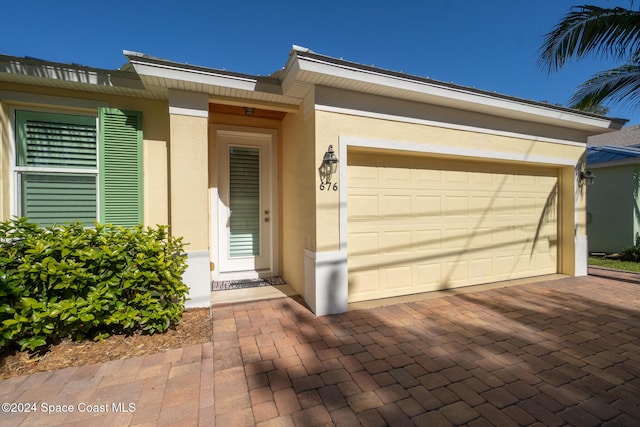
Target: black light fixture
point(329, 166)
point(587, 177)
point(249, 111)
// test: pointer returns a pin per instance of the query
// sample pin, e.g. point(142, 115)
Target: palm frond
point(621, 84)
point(591, 30)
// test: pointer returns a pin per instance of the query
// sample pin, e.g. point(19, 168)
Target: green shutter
point(55, 140)
point(49, 199)
point(120, 175)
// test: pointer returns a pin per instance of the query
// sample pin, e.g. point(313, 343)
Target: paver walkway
point(563, 352)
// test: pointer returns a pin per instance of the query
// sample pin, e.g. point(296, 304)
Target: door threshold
point(252, 294)
point(226, 285)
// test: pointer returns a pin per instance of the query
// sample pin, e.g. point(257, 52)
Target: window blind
point(56, 140)
point(244, 201)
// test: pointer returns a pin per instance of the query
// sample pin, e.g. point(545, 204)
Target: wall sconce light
point(587, 177)
point(329, 165)
point(249, 111)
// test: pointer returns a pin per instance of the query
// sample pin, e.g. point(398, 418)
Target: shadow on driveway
point(565, 352)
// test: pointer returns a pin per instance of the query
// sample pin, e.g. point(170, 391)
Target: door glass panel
point(244, 201)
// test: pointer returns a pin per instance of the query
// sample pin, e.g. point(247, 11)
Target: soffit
point(236, 110)
point(153, 78)
point(161, 75)
point(72, 77)
point(313, 69)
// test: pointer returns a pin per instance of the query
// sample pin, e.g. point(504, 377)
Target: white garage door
point(418, 224)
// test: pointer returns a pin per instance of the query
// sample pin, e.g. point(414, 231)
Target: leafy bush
point(75, 282)
point(632, 253)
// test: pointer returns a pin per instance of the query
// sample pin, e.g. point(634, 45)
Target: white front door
point(244, 203)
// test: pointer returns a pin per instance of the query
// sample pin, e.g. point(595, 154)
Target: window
point(79, 168)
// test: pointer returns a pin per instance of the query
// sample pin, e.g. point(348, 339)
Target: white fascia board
point(208, 78)
point(291, 70)
point(459, 97)
point(54, 71)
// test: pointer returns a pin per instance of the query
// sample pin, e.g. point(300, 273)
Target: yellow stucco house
point(434, 185)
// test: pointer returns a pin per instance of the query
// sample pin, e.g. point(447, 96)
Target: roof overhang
point(160, 75)
point(151, 77)
point(625, 156)
point(69, 76)
point(614, 163)
point(308, 67)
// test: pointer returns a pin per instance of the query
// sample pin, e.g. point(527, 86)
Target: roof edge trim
point(320, 64)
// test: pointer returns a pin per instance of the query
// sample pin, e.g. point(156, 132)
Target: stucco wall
point(189, 177)
point(330, 126)
point(612, 208)
point(298, 196)
point(155, 133)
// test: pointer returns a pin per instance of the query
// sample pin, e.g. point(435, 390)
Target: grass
point(615, 264)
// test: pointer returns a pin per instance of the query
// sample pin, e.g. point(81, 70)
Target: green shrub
point(633, 253)
point(76, 282)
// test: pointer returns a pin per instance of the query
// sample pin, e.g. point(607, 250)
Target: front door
point(244, 204)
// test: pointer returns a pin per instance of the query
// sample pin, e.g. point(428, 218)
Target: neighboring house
point(625, 137)
point(437, 186)
point(613, 202)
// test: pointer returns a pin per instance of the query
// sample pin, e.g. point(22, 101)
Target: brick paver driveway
point(563, 352)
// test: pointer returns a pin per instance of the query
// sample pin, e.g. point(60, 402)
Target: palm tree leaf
point(621, 84)
point(585, 30)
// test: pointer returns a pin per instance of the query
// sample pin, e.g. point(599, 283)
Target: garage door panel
point(526, 181)
point(482, 180)
point(456, 206)
point(482, 269)
point(480, 204)
point(526, 262)
point(426, 240)
point(426, 206)
point(428, 275)
point(396, 242)
point(422, 177)
point(504, 266)
point(395, 205)
point(456, 273)
point(418, 224)
point(399, 279)
point(545, 263)
point(395, 176)
point(363, 244)
point(526, 205)
point(481, 237)
point(456, 177)
point(454, 238)
point(505, 205)
point(364, 283)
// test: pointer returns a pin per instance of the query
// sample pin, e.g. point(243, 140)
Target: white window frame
point(16, 182)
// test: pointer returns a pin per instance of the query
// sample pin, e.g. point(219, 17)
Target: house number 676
point(328, 186)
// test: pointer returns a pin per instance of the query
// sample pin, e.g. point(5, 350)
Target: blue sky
point(490, 44)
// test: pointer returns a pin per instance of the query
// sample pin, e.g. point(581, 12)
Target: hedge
point(76, 282)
